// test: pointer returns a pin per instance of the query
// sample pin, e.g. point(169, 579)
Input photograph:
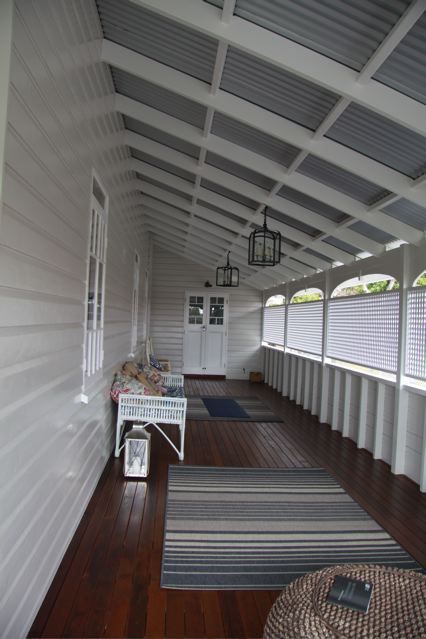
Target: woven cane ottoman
point(397, 608)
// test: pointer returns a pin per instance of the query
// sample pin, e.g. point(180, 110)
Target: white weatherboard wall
point(359, 405)
point(172, 276)
point(52, 448)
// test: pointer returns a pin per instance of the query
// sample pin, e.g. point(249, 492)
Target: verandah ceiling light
point(264, 246)
point(227, 275)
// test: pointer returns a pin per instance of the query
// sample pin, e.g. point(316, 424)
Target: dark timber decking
point(108, 582)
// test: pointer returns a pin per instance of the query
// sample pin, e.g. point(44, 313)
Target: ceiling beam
point(295, 58)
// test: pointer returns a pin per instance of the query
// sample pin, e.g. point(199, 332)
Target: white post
point(378, 424)
point(336, 400)
point(362, 419)
point(347, 405)
point(325, 371)
point(6, 30)
point(307, 384)
point(399, 438)
point(423, 457)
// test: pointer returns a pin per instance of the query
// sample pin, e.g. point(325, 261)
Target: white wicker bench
point(153, 410)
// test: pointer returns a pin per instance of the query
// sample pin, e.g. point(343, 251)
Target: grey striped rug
point(246, 528)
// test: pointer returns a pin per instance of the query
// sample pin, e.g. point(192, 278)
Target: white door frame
point(206, 294)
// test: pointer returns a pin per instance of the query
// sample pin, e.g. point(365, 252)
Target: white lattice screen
point(364, 330)
point(304, 330)
point(273, 324)
point(415, 356)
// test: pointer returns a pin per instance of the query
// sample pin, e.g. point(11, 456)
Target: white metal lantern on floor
point(137, 445)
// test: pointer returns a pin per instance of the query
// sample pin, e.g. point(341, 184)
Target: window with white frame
point(305, 321)
point(415, 354)
point(94, 329)
point(274, 320)
point(363, 323)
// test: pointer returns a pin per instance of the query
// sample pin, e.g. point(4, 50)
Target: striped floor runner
point(245, 528)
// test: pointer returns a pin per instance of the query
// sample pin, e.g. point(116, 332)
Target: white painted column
point(300, 369)
point(336, 400)
point(280, 371)
point(286, 375)
point(307, 385)
point(423, 457)
point(293, 373)
point(6, 31)
point(378, 424)
point(325, 371)
point(315, 376)
point(275, 374)
point(362, 419)
point(347, 405)
point(399, 438)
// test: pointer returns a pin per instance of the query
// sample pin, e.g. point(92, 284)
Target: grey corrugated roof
point(408, 212)
point(343, 246)
point(341, 180)
point(159, 98)
point(276, 90)
point(378, 235)
point(158, 38)
point(165, 166)
point(381, 139)
point(165, 187)
point(222, 227)
point(159, 200)
point(236, 197)
point(217, 209)
point(253, 139)
point(326, 258)
point(311, 203)
point(160, 136)
point(348, 32)
point(404, 69)
point(239, 171)
point(291, 221)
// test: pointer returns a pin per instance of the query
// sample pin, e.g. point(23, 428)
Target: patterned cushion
point(155, 363)
point(174, 391)
point(152, 374)
point(125, 384)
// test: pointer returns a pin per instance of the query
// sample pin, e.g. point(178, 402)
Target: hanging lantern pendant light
point(264, 246)
point(227, 275)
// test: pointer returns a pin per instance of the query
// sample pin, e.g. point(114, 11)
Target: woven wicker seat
point(397, 608)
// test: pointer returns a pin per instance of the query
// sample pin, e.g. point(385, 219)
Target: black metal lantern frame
point(227, 275)
point(264, 246)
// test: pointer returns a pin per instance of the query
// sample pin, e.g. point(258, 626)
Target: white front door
point(206, 331)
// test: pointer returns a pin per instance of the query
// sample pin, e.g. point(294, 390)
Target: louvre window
point(273, 325)
point(415, 356)
point(305, 322)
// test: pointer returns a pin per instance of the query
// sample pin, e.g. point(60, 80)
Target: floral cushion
point(152, 374)
point(125, 384)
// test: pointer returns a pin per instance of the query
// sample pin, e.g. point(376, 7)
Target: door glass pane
point(196, 310)
point(217, 307)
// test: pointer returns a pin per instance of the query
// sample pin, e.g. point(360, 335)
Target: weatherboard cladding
point(275, 89)
point(404, 69)
point(343, 31)
point(239, 171)
point(159, 38)
point(253, 139)
point(159, 98)
point(311, 203)
point(161, 137)
point(160, 164)
point(341, 180)
point(407, 212)
point(381, 139)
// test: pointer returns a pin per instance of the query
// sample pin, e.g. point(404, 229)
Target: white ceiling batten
point(293, 57)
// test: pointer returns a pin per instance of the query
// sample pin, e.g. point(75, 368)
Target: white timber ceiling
point(315, 109)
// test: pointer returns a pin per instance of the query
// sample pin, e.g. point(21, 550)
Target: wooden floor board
point(108, 584)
